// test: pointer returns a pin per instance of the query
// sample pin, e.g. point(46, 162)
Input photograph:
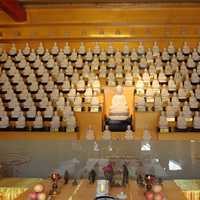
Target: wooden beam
point(14, 9)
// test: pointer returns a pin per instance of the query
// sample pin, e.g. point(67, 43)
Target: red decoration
point(149, 195)
point(14, 9)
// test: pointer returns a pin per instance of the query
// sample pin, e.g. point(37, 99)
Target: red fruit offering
point(149, 195)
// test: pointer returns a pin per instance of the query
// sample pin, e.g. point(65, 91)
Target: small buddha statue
point(21, 122)
point(73, 56)
point(149, 56)
point(119, 71)
point(33, 88)
point(88, 94)
point(75, 77)
point(38, 122)
point(175, 102)
point(89, 55)
point(78, 103)
point(187, 84)
point(158, 64)
point(50, 63)
point(157, 103)
point(45, 77)
point(135, 70)
point(67, 49)
point(48, 113)
point(198, 68)
point(79, 62)
point(32, 56)
point(181, 122)
point(26, 51)
point(31, 113)
point(163, 123)
point(96, 85)
point(3, 57)
point(165, 93)
point(183, 69)
point(54, 49)
point(171, 49)
point(95, 105)
point(165, 56)
point(197, 92)
point(46, 56)
point(187, 113)
point(141, 103)
point(128, 133)
point(127, 63)
point(8, 64)
point(111, 79)
point(64, 63)
point(4, 121)
point(156, 85)
point(107, 135)
point(72, 93)
point(95, 63)
point(97, 48)
point(67, 111)
point(70, 69)
point(40, 93)
point(103, 70)
point(40, 50)
point(40, 71)
point(60, 103)
point(155, 49)
point(146, 77)
point(103, 56)
point(139, 86)
point(82, 49)
point(149, 95)
point(13, 50)
point(60, 77)
point(90, 133)
point(110, 49)
point(66, 85)
point(186, 48)
point(196, 121)
point(194, 104)
point(143, 62)
point(111, 62)
point(125, 49)
point(190, 62)
point(180, 56)
point(128, 78)
point(195, 55)
point(171, 85)
point(43, 104)
point(80, 86)
point(119, 108)
point(71, 123)
point(86, 70)
point(55, 122)
point(50, 85)
point(55, 94)
point(141, 49)
point(195, 77)
point(174, 63)
point(134, 56)
point(61, 56)
point(55, 71)
point(162, 77)
point(170, 112)
point(22, 63)
point(168, 69)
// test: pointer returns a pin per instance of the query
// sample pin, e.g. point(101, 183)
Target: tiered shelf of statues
point(41, 88)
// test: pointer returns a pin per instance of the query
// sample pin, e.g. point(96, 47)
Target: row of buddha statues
point(184, 121)
point(34, 82)
point(88, 53)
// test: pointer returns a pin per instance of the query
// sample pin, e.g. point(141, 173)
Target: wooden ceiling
point(44, 2)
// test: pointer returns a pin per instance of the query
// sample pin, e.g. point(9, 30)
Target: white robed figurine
point(128, 133)
point(119, 108)
point(107, 135)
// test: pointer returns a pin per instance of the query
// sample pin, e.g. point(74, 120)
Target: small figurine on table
point(92, 176)
point(109, 173)
point(125, 175)
point(55, 177)
point(66, 177)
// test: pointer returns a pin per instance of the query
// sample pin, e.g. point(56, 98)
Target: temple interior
point(93, 94)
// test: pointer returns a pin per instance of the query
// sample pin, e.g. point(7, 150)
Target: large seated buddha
point(119, 107)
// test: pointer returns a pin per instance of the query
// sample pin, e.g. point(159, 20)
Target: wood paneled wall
point(146, 23)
